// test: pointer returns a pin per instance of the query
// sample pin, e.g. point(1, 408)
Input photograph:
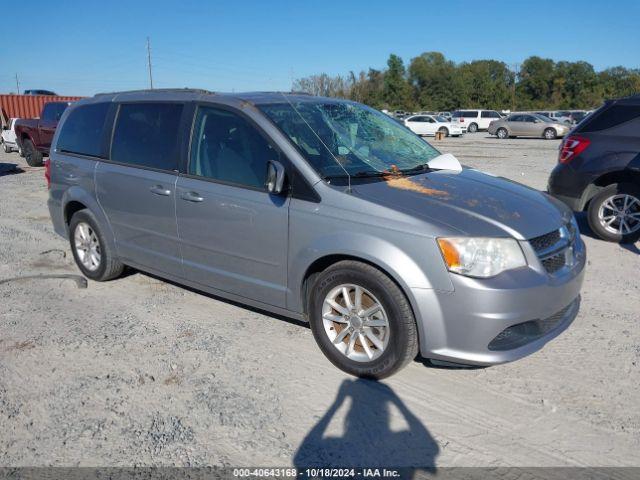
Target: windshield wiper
point(418, 168)
point(362, 174)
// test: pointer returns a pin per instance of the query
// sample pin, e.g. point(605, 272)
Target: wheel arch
point(324, 262)
point(606, 179)
point(76, 199)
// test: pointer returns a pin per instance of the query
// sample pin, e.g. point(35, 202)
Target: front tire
point(6, 148)
point(92, 254)
point(502, 133)
point(473, 128)
point(362, 321)
point(31, 154)
point(550, 134)
point(614, 213)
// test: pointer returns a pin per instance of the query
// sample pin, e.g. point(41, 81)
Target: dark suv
point(599, 170)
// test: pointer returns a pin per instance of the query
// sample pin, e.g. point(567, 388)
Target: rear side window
point(610, 117)
point(53, 111)
point(490, 114)
point(470, 114)
point(82, 131)
point(146, 135)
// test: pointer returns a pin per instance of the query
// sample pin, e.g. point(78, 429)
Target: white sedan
point(430, 124)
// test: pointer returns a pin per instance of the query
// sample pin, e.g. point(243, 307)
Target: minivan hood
point(470, 202)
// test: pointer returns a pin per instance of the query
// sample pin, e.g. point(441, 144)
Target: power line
point(149, 63)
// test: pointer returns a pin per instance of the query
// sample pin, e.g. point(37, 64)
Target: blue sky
point(84, 47)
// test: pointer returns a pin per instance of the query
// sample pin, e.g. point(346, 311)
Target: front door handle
point(160, 190)
point(192, 197)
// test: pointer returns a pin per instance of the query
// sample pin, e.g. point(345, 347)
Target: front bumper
point(459, 326)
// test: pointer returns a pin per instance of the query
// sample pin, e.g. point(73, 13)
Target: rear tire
point(393, 324)
point(502, 133)
point(472, 128)
point(6, 148)
point(607, 208)
point(444, 130)
point(84, 236)
point(550, 133)
point(31, 154)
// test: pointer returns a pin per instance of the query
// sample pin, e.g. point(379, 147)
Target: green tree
point(436, 83)
point(396, 92)
point(486, 84)
point(535, 83)
point(575, 86)
point(619, 82)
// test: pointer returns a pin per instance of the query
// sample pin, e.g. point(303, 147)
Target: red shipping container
point(27, 106)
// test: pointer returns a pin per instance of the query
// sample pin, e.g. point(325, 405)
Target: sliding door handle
point(192, 197)
point(160, 190)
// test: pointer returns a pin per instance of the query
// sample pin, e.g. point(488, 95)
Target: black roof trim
point(160, 90)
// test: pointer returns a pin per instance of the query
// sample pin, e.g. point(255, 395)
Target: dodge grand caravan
point(318, 209)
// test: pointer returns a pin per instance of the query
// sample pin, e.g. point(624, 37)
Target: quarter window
point(53, 111)
point(228, 148)
point(146, 134)
point(611, 117)
point(82, 131)
point(490, 114)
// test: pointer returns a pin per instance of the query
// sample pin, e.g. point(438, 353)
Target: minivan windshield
point(340, 138)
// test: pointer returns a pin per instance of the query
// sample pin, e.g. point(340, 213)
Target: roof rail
point(147, 90)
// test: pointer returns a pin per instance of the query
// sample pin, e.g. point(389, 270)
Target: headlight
point(481, 257)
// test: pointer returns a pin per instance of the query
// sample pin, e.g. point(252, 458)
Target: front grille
point(545, 241)
point(555, 249)
point(518, 335)
point(554, 263)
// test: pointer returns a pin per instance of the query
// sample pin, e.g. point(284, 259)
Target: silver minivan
point(319, 209)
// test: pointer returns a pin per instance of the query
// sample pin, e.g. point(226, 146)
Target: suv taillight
point(47, 171)
point(572, 147)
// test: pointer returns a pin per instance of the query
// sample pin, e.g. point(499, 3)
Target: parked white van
point(474, 120)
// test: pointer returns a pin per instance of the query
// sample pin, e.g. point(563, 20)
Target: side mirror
point(275, 177)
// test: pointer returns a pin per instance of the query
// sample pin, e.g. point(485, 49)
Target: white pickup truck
point(8, 137)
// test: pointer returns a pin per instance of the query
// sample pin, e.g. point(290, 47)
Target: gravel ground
point(138, 371)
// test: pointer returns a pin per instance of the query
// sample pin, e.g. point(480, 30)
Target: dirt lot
point(139, 371)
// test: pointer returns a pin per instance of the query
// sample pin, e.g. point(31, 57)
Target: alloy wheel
point(355, 322)
point(620, 214)
point(87, 246)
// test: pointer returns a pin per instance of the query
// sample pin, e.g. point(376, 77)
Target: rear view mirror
point(275, 177)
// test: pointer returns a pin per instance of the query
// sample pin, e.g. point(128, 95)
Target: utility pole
point(149, 63)
point(516, 73)
point(17, 85)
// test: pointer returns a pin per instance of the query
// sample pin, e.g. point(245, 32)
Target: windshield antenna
point(318, 137)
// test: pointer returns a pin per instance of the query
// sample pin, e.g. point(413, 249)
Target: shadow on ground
point(10, 169)
point(367, 439)
point(585, 230)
